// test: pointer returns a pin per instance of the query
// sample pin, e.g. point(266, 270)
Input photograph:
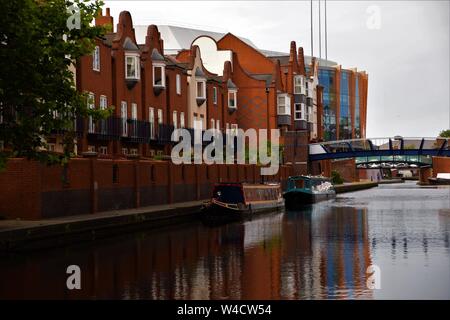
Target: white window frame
point(163, 75)
point(298, 84)
point(178, 84)
point(134, 111)
point(133, 151)
point(137, 66)
point(301, 111)
point(160, 117)
point(234, 129)
point(124, 151)
point(124, 117)
point(215, 95)
point(103, 150)
point(234, 94)
point(284, 108)
point(103, 102)
point(96, 59)
point(182, 123)
point(91, 105)
point(151, 119)
point(203, 83)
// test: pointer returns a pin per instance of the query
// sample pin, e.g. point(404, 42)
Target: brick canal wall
point(31, 190)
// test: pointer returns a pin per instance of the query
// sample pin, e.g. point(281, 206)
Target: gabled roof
point(129, 45)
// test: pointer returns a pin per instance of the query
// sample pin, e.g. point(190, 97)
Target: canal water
point(320, 252)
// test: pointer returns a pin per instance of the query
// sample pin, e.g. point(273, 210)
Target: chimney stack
point(102, 20)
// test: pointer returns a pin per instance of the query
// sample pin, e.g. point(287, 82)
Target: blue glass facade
point(345, 120)
point(327, 80)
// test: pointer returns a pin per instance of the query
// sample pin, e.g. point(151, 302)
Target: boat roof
point(304, 177)
point(249, 185)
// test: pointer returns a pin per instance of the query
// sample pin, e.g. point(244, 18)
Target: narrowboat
point(307, 189)
point(235, 201)
point(441, 179)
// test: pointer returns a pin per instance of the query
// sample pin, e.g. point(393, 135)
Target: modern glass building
point(344, 101)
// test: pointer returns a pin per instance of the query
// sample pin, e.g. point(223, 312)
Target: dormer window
point(159, 70)
point(201, 89)
point(96, 59)
point(132, 66)
point(232, 99)
point(284, 105)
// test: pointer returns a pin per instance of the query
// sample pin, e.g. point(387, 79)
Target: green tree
point(38, 51)
point(336, 177)
point(445, 133)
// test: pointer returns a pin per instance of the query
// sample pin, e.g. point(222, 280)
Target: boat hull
point(216, 212)
point(297, 199)
point(439, 181)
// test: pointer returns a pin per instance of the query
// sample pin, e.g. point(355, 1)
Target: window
point(133, 151)
point(227, 128)
point(124, 151)
point(132, 66)
point(124, 116)
point(151, 119)
point(218, 124)
point(198, 127)
point(232, 100)
point(103, 150)
point(90, 148)
point(213, 124)
point(234, 128)
point(134, 111)
point(298, 84)
point(181, 119)
point(310, 114)
point(91, 105)
point(174, 119)
point(160, 116)
point(284, 105)
point(103, 106)
point(159, 75)
point(175, 125)
point(178, 83)
point(215, 95)
point(96, 59)
point(51, 147)
point(103, 102)
point(201, 90)
point(299, 111)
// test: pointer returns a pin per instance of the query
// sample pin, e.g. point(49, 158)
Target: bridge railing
point(382, 149)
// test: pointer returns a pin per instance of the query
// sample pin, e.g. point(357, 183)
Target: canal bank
point(18, 235)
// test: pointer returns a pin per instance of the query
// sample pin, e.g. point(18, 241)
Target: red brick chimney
point(106, 19)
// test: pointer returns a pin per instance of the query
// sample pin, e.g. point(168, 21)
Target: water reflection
point(320, 252)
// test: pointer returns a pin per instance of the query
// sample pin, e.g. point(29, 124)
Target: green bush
point(336, 177)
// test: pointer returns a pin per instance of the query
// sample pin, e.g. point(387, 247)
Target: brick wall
point(30, 190)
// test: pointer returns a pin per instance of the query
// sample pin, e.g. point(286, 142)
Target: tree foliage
point(38, 96)
point(445, 133)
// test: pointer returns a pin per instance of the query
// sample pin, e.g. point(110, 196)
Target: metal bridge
point(396, 150)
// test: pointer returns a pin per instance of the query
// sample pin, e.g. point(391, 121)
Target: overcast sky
point(403, 46)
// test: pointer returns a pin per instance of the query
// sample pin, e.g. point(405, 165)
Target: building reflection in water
point(319, 252)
